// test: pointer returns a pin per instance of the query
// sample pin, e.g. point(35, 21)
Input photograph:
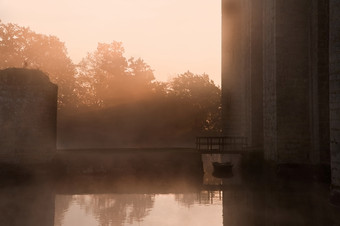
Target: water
point(139, 209)
point(235, 201)
point(192, 207)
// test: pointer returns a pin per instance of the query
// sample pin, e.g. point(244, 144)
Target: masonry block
point(335, 97)
point(28, 108)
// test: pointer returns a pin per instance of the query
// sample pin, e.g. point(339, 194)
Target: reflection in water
point(26, 205)
point(141, 209)
point(62, 204)
point(110, 209)
point(209, 179)
point(238, 201)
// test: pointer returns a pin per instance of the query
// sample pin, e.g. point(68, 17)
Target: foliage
point(21, 47)
point(114, 94)
point(108, 78)
point(203, 96)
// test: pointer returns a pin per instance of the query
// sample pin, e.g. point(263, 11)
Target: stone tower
point(28, 108)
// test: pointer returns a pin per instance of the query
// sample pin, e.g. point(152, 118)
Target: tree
point(21, 47)
point(108, 78)
point(203, 96)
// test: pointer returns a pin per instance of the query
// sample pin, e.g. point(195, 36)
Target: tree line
point(114, 97)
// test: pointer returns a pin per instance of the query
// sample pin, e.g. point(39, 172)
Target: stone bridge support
point(242, 69)
point(275, 85)
point(281, 79)
point(295, 81)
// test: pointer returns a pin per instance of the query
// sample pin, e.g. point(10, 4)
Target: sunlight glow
point(172, 36)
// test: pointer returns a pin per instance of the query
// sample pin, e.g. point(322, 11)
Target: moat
point(173, 198)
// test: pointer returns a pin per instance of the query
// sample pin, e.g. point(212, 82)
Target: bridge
point(222, 145)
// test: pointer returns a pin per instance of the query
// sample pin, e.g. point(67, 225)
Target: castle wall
point(334, 84)
point(242, 69)
point(295, 81)
point(292, 80)
point(28, 108)
point(269, 80)
point(235, 67)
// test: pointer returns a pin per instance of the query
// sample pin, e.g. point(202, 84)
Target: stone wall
point(334, 53)
point(323, 79)
point(292, 80)
point(235, 67)
point(256, 85)
point(295, 81)
point(269, 80)
point(28, 107)
point(242, 69)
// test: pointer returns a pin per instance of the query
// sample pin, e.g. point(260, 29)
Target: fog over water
point(143, 200)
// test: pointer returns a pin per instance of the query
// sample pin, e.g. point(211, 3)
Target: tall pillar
point(256, 77)
point(294, 83)
point(334, 58)
point(235, 67)
point(269, 80)
point(242, 69)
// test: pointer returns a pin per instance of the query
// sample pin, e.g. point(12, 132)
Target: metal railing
point(223, 143)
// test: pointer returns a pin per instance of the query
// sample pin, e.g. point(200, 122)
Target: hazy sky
point(172, 36)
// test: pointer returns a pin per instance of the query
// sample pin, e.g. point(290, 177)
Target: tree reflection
point(203, 197)
point(62, 204)
point(114, 209)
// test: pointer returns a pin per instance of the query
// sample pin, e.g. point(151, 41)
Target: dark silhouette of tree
point(203, 96)
point(107, 78)
point(116, 98)
point(21, 47)
point(178, 111)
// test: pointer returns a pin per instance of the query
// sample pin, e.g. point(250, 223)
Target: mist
point(108, 100)
point(101, 141)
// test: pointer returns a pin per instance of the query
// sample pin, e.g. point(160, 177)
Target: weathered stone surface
point(334, 44)
point(289, 100)
point(295, 81)
point(235, 67)
point(269, 81)
point(300, 60)
point(242, 69)
point(28, 107)
point(274, 82)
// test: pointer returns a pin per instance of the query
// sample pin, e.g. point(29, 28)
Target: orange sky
point(172, 36)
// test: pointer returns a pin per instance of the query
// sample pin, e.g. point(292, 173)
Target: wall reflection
point(28, 205)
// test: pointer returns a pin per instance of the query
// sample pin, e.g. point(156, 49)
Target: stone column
point(256, 80)
point(269, 80)
point(235, 67)
point(294, 83)
point(334, 84)
point(242, 69)
point(28, 108)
